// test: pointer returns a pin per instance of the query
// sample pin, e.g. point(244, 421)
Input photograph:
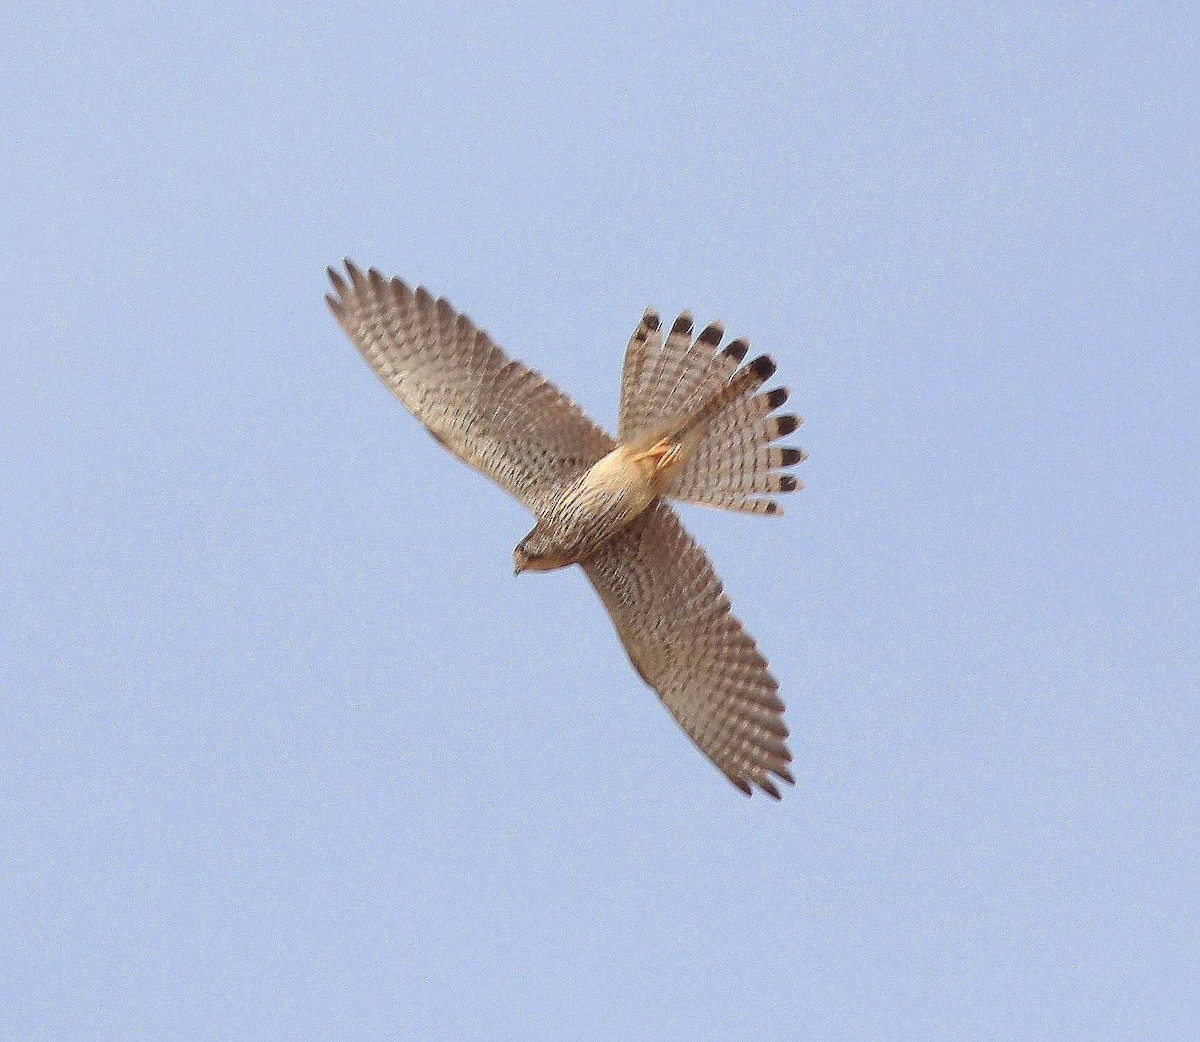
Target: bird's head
point(535, 553)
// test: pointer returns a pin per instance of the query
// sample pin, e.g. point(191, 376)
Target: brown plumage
point(693, 426)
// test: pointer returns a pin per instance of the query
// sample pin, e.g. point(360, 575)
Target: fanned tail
point(703, 399)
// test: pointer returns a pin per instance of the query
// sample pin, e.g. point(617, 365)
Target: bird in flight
point(693, 426)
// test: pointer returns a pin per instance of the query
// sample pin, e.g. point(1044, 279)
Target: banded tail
point(699, 396)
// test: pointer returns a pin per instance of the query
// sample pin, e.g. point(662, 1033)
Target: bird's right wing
point(673, 617)
point(503, 419)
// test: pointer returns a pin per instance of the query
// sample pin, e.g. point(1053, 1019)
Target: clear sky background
point(286, 752)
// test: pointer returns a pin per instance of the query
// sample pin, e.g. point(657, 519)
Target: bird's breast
point(601, 503)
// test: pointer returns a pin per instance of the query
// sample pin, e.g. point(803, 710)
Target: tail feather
point(708, 402)
point(644, 346)
point(653, 370)
point(671, 364)
point(663, 382)
point(695, 373)
point(735, 461)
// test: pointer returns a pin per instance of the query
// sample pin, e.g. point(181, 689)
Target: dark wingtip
point(771, 508)
point(740, 783)
point(784, 425)
point(763, 367)
point(789, 457)
point(777, 397)
point(787, 483)
point(737, 349)
point(769, 788)
point(683, 325)
point(711, 334)
point(651, 320)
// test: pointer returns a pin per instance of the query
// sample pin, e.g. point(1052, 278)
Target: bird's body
point(588, 513)
point(692, 427)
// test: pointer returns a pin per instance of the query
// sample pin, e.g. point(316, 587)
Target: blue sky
point(285, 749)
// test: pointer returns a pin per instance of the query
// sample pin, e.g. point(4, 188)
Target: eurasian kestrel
point(692, 427)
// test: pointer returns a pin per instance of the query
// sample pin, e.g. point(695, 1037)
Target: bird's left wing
point(500, 417)
point(674, 620)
